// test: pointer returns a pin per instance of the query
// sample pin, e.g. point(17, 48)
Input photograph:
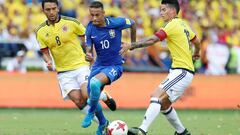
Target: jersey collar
point(59, 18)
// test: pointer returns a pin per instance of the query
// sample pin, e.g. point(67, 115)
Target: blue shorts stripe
point(175, 80)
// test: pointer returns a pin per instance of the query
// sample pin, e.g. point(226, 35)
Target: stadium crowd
point(216, 22)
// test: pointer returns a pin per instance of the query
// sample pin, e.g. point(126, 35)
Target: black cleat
point(136, 131)
point(110, 102)
point(185, 132)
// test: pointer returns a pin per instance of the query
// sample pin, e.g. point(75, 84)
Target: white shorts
point(72, 80)
point(176, 83)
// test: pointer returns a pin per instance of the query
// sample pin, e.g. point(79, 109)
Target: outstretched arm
point(145, 42)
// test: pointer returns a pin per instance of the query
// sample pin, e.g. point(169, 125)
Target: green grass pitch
point(68, 122)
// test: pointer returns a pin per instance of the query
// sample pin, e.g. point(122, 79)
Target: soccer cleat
point(110, 102)
point(136, 131)
point(102, 129)
point(185, 132)
point(87, 120)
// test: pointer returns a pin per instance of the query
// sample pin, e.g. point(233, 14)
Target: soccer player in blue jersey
point(104, 35)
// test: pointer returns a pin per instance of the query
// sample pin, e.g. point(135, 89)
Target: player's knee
point(166, 103)
point(80, 102)
point(95, 85)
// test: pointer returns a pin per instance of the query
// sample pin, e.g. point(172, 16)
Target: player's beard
point(53, 19)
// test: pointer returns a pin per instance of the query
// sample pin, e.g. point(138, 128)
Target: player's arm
point(196, 42)
point(90, 54)
point(143, 43)
point(133, 32)
point(47, 58)
point(83, 44)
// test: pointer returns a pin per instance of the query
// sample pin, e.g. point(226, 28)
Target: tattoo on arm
point(133, 33)
point(145, 42)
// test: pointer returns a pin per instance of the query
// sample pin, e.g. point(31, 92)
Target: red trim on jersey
point(193, 38)
point(81, 35)
point(44, 49)
point(161, 34)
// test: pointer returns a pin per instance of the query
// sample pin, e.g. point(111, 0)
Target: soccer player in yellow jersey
point(179, 37)
point(60, 44)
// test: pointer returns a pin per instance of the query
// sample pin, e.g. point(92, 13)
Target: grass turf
point(68, 122)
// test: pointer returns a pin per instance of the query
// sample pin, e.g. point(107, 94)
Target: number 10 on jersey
point(105, 44)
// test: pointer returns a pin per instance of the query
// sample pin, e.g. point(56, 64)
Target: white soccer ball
point(117, 127)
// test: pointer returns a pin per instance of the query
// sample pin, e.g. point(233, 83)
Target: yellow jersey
point(178, 36)
point(62, 39)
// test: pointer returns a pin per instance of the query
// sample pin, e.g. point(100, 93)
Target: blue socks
point(95, 85)
point(93, 101)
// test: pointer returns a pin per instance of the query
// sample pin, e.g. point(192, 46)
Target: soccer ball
point(117, 127)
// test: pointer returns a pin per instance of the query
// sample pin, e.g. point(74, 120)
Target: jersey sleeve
point(164, 32)
point(79, 29)
point(40, 41)
point(88, 39)
point(124, 23)
point(192, 35)
point(169, 28)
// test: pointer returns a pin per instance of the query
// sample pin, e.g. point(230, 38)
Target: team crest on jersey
point(112, 33)
point(65, 28)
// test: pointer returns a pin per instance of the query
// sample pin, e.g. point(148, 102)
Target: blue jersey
point(107, 40)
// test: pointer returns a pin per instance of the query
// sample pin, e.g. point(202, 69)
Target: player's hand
point(196, 56)
point(125, 47)
point(50, 66)
point(89, 57)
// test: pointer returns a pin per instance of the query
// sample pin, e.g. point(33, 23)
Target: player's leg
point(80, 100)
point(151, 114)
point(174, 89)
point(161, 99)
point(103, 122)
point(104, 76)
point(83, 74)
point(70, 89)
point(108, 100)
point(112, 73)
point(95, 84)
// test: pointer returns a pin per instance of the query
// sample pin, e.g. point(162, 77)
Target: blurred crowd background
point(216, 23)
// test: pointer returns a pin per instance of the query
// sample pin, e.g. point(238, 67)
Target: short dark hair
point(96, 4)
point(52, 1)
point(173, 3)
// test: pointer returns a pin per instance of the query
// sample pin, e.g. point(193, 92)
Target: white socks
point(151, 113)
point(173, 119)
point(85, 111)
point(103, 96)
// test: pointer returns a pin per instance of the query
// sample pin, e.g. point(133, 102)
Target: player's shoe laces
point(110, 102)
point(136, 131)
point(185, 132)
point(102, 129)
point(87, 120)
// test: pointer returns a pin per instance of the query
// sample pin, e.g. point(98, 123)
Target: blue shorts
point(112, 72)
